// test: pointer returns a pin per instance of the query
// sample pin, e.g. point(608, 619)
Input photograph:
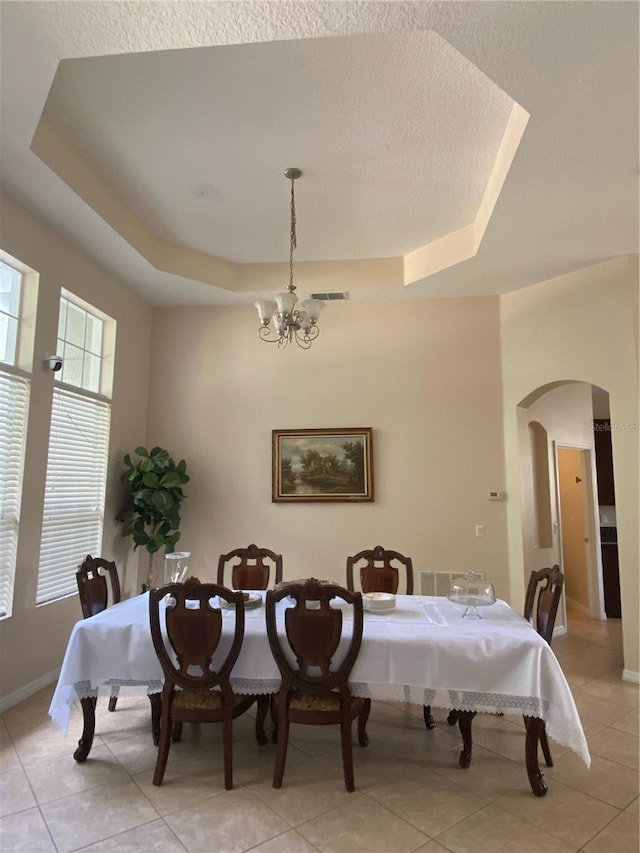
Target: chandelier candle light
point(289, 323)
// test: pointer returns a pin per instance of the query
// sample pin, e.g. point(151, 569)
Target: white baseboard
point(630, 675)
point(572, 604)
point(27, 690)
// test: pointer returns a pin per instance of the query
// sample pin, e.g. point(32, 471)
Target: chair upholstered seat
point(327, 702)
point(209, 700)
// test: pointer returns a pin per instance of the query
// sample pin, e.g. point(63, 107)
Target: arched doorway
point(562, 510)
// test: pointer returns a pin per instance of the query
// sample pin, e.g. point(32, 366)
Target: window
point(78, 452)
point(14, 407)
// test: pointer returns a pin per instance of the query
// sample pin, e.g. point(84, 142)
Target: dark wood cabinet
point(611, 580)
point(604, 462)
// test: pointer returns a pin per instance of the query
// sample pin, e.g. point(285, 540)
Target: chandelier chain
point(292, 234)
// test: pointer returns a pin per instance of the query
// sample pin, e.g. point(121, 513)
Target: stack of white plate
point(378, 602)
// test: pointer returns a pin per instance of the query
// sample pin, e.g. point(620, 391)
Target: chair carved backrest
point(313, 633)
point(252, 567)
point(93, 588)
point(192, 624)
point(380, 570)
point(543, 596)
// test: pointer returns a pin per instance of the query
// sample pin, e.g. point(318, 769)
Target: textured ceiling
point(166, 126)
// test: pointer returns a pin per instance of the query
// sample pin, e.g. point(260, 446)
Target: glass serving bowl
point(471, 591)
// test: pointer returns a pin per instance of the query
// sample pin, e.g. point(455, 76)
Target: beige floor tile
point(126, 721)
point(617, 746)
point(492, 830)
point(25, 832)
point(630, 723)
point(621, 836)
point(315, 740)
point(613, 689)
point(432, 847)
point(564, 812)
point(135, 753)
point(508, 741)
point(372, 767)
point(604, 780)
point(308, 790)
point(44, 740)
point(634, 808)
point(8, 755)
point(15, 792)
point(362, 825)
point(84, 818)
point(581, 663)
point(290, 842)
point(51, 780)
point(233, 821)
point(154, 837)
point(489, 776)
point(600, 710)
point(186, 783)
point(428, 802)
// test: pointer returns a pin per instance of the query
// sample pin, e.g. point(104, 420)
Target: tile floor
point(411, 795)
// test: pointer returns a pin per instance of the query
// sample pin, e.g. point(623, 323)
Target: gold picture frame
point(322, 465)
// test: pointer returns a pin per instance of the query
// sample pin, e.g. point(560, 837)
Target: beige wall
point(33, 640)
point(582, 326)
point(426, 377)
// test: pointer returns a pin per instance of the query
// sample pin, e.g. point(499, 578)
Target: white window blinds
point(14, 406)
point(74, 491)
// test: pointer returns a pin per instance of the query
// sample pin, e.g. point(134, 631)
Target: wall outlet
point(479, 531)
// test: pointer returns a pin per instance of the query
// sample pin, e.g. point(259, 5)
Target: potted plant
point(151, 513)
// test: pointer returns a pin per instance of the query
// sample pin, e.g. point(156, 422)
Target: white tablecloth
point(422, 652)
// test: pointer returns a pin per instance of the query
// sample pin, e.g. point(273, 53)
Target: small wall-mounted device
point(495, 496)
point(54, 362)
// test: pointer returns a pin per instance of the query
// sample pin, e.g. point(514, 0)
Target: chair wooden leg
point(429, 722)
point(176, 733)
point(465, 719)
point(155, 699)
point(363, 716)
point(282, 741)
point(261, 716)
point(347, 752)
point(273, 708)
point(163, 749)
point(113, 700)
point(544, 743)
point(227, 725)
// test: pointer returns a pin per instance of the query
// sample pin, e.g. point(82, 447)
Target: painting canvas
point(322, 465)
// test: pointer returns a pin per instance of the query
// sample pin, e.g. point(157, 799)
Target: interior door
point(575, 497)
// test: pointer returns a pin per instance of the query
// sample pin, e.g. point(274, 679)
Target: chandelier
point(290, 323)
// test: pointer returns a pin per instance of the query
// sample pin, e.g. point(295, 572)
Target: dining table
point(422, 651)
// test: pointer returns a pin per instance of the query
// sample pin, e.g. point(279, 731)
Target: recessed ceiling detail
point(404, 143)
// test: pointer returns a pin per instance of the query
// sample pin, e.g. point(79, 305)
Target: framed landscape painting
point(322, 465)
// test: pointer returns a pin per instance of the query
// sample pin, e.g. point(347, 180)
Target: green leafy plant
point(151, 513)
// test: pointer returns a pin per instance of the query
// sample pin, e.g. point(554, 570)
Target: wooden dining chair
point(98, 586)
point(540, 609)
point(379, 571)
point(186, 629)
point(250, 567)
point(315, 679)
